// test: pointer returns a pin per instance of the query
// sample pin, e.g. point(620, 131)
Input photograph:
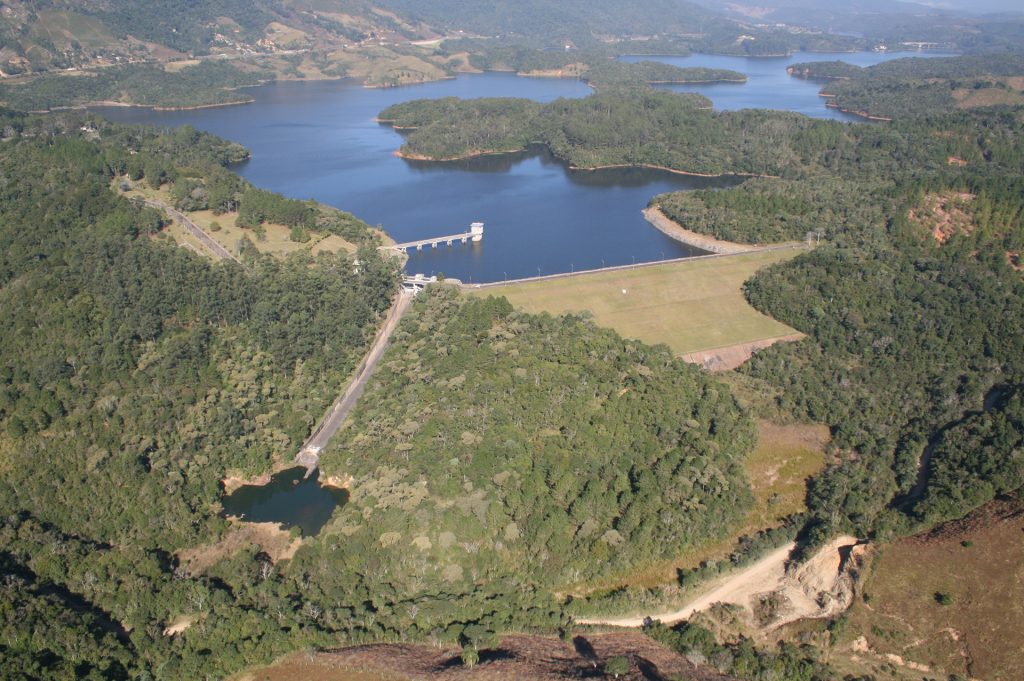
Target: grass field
point(785, 458)
point(950, 600)
point(276, 239)
point(689, 306)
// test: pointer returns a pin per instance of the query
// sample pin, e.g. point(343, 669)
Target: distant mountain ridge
point(41, 34)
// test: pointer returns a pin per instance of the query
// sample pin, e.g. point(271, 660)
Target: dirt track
point(731, 356)
point(820, 573)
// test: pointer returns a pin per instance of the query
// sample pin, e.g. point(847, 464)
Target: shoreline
point(612, 166)
point(465, 157)
point(863, 114)
point(651, 166)
point(234, 480)
point(674, 230)
point(154, 107)
point(385, 86)
point(710, 81)
point(582, 76)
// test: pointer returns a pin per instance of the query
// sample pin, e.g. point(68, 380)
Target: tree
point(470, 656)
point(617, 666)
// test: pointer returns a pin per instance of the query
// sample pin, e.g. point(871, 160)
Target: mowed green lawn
point(689, 306)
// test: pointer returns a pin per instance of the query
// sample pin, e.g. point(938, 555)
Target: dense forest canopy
point(556, 449)
point(497, 457)
point(637, 125)
point(204, 84)
point(907, 334)
point(910, 87)
point(137, 374)
point(134, 375)
point(773, 210)
point(909, 339)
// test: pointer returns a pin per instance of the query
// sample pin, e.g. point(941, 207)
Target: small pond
point(289, 499)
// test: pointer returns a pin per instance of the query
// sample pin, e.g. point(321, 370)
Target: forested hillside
point(385, 43)
point(204, 84)
point(912, 332)
point(640, 126)
point(494, 443)
point(915, 347)
point(911, 87)
point(137, 374)
point(572, 19)
point(772, 210)
point(968, 26)
point(134, 375)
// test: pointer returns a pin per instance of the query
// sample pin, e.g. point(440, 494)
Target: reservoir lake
point(320, 140)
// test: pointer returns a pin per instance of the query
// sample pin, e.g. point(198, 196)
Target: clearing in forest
point(690, 306)
point(272, 238)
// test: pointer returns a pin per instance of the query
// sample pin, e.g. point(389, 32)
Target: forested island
point(205, 84)
point(641, 126)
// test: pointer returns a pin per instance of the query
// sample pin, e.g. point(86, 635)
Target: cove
point(289, 499)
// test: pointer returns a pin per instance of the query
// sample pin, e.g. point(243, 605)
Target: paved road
point(612, 268)
point(196, 231)
point(309, 455)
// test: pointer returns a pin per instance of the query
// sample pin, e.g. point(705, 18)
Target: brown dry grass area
point(977, 561)
point(181, 64)
point(785, 458)
point(943, 215)
point(518, 658)
point(970, 98)
point(270, 538)
point(276, 240)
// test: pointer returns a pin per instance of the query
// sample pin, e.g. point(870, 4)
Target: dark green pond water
point(288, 499)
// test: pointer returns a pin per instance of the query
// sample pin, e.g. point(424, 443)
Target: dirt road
point(820, 587)
point(764, 575)
point(309, 455)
